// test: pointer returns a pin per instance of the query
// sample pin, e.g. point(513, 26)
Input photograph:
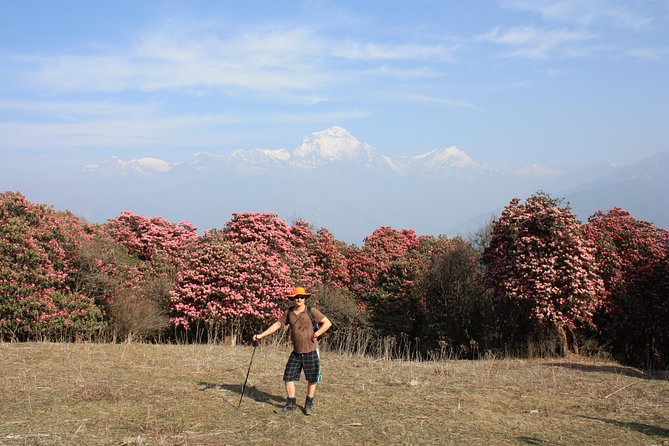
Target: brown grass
point(132, 394)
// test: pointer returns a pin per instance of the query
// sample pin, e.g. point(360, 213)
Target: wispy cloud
point(273, 62)
point(115, 133)
point(124, 127)
point(586, 12)
point(537, 43)
point(439, 101)
point(375, 51)
point(288, 63)
point(403, 73)
point(653, 54)
point(579, 28)
point(66, 110)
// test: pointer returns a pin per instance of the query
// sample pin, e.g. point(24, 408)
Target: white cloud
point(86, 126)
point(439, 101)
point(403, 73)
point(118, 133)
point(537, 43)
point(333, 116)
point(606, 24)
point(288, 63)
point(133, 71)
point(653, 54)
point(77, 109)
point(375, 51)
point(585, 12)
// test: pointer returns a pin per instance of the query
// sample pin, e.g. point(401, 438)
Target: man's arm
point(325, 326)
point(272, 328)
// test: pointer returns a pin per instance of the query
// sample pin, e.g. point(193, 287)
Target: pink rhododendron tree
point(150, 238)
point(235, 278)
point(383, 277)
point(312, 257)
point(229, 287)
point(633, 259)
point(239, 276)
point(370, 265)
point(37, 257)
point(159, 246)
point(539, 264)
point(265, 229)
point(318, 258)
point(271, 236)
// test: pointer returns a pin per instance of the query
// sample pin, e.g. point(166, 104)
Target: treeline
point(534, 281)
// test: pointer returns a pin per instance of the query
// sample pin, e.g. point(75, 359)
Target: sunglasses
point(297, 297)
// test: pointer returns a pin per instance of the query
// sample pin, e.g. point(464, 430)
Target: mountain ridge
point(331, 146)
point(341, 183)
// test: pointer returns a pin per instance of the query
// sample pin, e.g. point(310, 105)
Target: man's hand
point(256, 338)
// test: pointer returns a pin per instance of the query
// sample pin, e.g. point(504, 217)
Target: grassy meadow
point(143, 394)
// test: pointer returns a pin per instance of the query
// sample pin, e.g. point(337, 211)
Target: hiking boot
point(290, 407)
point(309, 406)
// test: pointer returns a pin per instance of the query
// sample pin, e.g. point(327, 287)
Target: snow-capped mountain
point(257, 160)
point(328, 147)
point(437, 163)
point(335, 145)
point(335, 181)
point(143, 166)
point(203, 161)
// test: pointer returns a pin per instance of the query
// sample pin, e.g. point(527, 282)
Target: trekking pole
point(255, 345)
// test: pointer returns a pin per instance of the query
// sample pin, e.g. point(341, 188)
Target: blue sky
point(509, 82)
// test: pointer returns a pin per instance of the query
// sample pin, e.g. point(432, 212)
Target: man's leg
point(309, 402)
point(312, 371)
point(290, 389)
point(311, 389)
point(290, 375)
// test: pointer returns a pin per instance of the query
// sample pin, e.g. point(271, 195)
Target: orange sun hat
point(299, 291)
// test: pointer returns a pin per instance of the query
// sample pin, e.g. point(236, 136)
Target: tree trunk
point(573, 342)
point(561, 340)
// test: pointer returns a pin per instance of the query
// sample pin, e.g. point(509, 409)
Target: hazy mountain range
point(335, 181)
point(331, 147)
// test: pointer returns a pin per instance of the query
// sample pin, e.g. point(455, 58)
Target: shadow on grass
point(639, 427)
point(606, 368)
point(250, 392)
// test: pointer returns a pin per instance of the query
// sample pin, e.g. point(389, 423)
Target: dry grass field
point(138, 394)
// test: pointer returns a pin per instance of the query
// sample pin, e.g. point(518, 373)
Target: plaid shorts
point(310, 362)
